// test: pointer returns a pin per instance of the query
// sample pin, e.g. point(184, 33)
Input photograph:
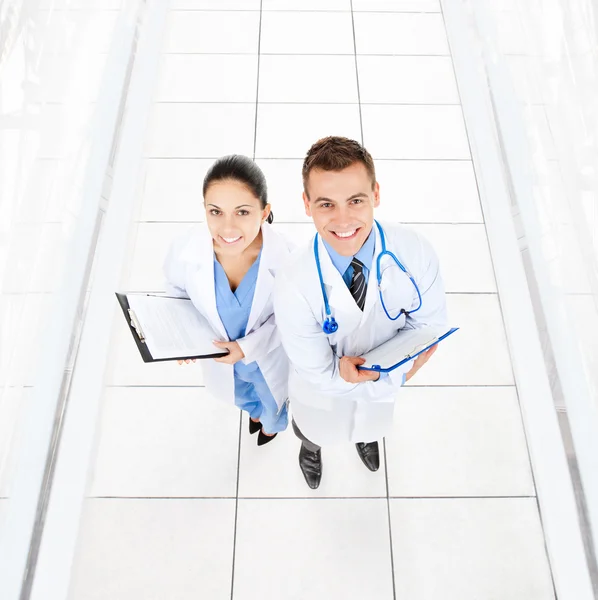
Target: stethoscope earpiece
point(330, 325)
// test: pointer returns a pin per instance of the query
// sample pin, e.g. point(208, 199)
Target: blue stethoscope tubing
point(330, 325)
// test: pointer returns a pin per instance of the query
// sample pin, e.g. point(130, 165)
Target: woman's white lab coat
point(326, 408)
point(189, 271)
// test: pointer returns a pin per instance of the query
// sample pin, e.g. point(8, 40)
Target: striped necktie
point(358, 285)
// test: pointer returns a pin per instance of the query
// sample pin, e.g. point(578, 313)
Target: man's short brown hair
point(335, 153)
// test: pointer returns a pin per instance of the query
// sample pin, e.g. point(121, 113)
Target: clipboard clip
point(136, 325)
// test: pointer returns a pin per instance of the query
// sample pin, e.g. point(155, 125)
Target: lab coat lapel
point(271, 252)
point(343, 306)
point(205, 291)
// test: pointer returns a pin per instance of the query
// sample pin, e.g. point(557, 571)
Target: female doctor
point(226, 267)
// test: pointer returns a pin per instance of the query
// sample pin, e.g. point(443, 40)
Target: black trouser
point(308, 445)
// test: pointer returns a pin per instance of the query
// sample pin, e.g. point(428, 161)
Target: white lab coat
point(326, 408)
point(189, 271)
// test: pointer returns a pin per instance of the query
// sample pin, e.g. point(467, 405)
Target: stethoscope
point(330, 325)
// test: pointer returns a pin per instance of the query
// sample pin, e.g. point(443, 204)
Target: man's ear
point(376, 195)
point(307, 205)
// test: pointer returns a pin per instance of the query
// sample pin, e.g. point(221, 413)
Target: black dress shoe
point(311, 466)
point(369, 454)
point(254, 427)
point(262, 438)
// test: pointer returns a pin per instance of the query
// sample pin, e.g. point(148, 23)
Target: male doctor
point(331, 400)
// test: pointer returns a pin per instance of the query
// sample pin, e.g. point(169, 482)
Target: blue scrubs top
point(252, 393)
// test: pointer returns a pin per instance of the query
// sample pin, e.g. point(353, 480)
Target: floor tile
point(161, 442)
point(14, 402)
point(396, 5)
point(308, 79)
point(197, 130)
point(273, 470)
point(172, 189)
point(207, 78)
point(421, 132)
point(477, 354)
point(333, 549)
point(215, 4)
point(464, 256)
point(458, 441)
point(476, 548)
point(212, 32)
point(151, 247)
point(285, 33)
point(428, 191)
point(303, 5)
point(154, 549)
point(126, 367)
point(400, 33)
point(285, 187)
point(303, 125)
point(407, 80)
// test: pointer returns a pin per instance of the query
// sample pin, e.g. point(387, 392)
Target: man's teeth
point(231, 240)
point(345, 234)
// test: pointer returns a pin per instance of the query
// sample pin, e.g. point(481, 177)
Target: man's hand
point(351, 374)
point(420, 361)
point(235, 353)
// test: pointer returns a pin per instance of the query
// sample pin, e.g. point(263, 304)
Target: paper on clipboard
point(168, 328)
point(406, 345)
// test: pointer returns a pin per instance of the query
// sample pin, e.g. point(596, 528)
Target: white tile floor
point(182, 504)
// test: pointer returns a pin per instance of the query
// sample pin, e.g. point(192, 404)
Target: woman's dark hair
point(237, 167)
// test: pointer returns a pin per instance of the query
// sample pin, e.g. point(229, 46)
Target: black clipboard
point(137, 334)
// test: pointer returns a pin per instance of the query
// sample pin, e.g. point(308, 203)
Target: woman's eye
point(243, 213)
point(214, 212)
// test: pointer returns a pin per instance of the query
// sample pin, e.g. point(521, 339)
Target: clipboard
point(381, 369)
point(139, 337)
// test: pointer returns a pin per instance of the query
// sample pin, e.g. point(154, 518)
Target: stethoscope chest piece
point(330, 326)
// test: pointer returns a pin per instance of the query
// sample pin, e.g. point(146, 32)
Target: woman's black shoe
point(262, 438)
point(254, 426)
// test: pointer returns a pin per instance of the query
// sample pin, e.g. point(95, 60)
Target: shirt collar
point(365, 254)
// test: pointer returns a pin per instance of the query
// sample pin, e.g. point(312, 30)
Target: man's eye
point(357, 201)
point(326, 204)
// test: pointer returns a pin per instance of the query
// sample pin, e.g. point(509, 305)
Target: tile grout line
point(356, 71)
point(392, 558)
point(257, 87)
point(232, 579)
point(257, 94)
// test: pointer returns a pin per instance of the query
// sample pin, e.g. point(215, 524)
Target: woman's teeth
point(231, 240)
point(346, 234)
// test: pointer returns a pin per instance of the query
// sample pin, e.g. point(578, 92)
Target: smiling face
point(234, 216)
point(341, 204)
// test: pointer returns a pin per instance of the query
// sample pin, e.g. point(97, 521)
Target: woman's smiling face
point(234, 216)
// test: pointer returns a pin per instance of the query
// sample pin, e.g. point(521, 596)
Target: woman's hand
point(186, 361)
point(235, 353)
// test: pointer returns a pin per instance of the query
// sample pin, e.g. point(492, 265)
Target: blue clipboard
point(381, 369)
